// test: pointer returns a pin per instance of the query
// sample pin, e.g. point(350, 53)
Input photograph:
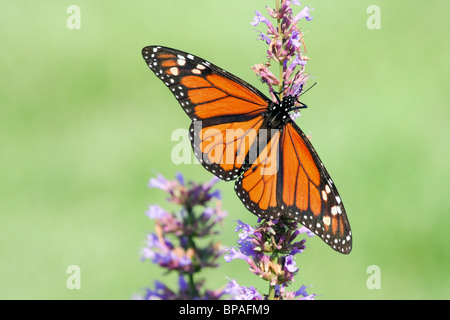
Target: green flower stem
point(271, 295)
point(191, 245)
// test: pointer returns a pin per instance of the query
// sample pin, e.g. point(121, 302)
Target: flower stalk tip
point(269, 250)
point(286, 48)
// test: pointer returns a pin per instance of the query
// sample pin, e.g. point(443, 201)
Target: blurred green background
point(84, 124)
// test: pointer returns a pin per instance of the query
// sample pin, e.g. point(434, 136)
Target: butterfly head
point(291, 103)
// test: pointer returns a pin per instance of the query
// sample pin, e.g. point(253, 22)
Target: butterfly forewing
point(226, 111)
point(203, 89)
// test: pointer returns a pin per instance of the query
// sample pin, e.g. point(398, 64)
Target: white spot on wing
point(334, 210)
point(174, 71)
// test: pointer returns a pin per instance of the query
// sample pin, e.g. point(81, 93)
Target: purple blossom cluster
point(187, 195)
point(269, 250)
point(285, 47)
point(173, 245)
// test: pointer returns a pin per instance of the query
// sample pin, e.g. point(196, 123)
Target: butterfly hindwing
point(223, 148)
point(258, 187)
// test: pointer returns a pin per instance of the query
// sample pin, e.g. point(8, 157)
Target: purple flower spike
point(286, 47)
point(173, 244)
point(269, 250)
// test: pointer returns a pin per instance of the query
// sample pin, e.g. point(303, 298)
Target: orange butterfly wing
point(301, 189)
point(309, 194)
point(258, 186)
point(226, 111)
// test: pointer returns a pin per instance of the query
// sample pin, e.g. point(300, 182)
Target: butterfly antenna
point(307, 89)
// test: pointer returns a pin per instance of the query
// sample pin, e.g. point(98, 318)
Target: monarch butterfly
point(237, 133)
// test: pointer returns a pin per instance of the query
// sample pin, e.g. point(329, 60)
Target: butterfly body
point(237, 133)
point(278, 114)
